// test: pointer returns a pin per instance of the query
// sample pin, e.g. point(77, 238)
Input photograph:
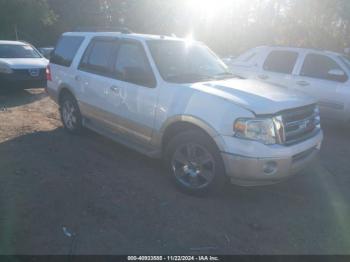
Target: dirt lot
point(63, 194)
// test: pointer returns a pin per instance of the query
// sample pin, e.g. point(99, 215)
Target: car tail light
point(48, 73)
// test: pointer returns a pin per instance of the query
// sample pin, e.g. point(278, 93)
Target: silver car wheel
point(69, 114)
point(193, 166)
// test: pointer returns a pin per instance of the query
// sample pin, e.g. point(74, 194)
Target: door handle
point(77, 78)
point(303, 83)
point(263, 77)
point(115, 89)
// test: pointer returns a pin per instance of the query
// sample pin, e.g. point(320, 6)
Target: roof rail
point(299, 47)
point(122, 30)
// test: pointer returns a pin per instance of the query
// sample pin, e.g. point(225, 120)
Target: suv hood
point(24, 63)
point(255, 96)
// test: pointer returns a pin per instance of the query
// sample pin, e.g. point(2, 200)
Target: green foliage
point(29, 17)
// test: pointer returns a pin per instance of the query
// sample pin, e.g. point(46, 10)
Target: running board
point(150, 152)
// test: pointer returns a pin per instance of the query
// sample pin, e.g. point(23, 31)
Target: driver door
point(133, 95)
point(316, 78)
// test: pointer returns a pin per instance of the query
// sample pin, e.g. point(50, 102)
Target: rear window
point(65, 50)
point(281, 62)
point(18, 51)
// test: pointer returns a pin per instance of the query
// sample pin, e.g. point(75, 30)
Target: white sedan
point(21, 66)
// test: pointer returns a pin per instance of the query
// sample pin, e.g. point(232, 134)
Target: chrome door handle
point(114, 89)
point(303, 83)
point(263, 77)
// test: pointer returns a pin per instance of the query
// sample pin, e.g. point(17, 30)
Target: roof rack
point(122, 30)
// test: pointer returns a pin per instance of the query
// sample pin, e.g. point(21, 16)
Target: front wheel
point(70, 114)
point(194, 162)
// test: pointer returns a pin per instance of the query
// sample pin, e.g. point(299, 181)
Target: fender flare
point(206, 127)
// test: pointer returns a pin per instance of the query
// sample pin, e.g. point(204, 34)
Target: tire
point(70, 114)
point(194, 163)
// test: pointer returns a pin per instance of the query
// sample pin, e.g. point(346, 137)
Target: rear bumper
point(22, 79)
point(264, 170)
point(53, 94)
point(22, 84)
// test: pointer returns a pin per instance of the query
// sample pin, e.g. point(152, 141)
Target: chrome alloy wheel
point(69, 114)
point(193, 166)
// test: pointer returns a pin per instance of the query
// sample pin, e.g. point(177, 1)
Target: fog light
point(270, 167)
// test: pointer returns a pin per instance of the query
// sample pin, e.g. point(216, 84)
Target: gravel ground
point(64, 194)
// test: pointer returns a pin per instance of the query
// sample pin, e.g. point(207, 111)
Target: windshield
point(179, 62)
point(346, 61)
point(18, 51)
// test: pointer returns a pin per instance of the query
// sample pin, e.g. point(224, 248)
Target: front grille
point(300, 124)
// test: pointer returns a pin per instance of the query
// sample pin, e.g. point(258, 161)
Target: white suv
point(171, 98)
point(324, 75)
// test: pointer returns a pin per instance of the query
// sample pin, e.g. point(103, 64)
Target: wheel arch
point(182, 123)
point(64, 89)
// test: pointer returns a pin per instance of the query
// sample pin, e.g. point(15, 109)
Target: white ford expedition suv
point(174, 99)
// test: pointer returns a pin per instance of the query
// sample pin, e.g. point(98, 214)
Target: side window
point(65, 50)
point(322, 67)
point(97, 58)
point(249, 57)
point(132, 65)
point(281, 62)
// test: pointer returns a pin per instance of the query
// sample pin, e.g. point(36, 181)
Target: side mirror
point(337, 75)
point(336, 72)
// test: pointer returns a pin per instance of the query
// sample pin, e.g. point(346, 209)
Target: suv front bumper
point(263, 164)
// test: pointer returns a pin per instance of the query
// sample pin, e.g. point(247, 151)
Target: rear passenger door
point(278, 67)
point(134, 96)
point(95, 78)
point(314, 78)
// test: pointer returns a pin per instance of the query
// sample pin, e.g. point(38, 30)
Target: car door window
point(97, 58)
point(281, 62)
point(132, 65)
point(319, 66)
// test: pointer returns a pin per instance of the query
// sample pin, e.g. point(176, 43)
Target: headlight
point(262, 130)
point(5, 69)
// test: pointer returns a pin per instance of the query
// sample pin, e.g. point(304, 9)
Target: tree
point(228, 26)
point(25, 19)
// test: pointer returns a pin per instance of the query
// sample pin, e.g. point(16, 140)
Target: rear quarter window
point(247, 56)
point(66, 50)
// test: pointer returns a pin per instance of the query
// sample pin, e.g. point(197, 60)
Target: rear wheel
point(70, 114)
point(194, 162)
